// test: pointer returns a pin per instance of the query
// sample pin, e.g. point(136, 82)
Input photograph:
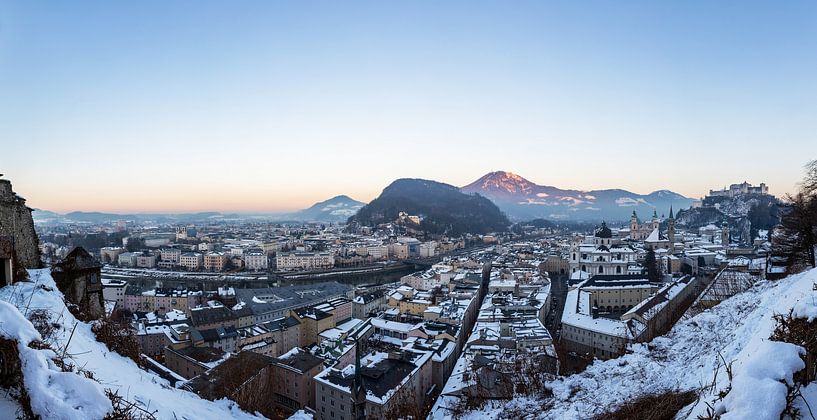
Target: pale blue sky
point(192, 105)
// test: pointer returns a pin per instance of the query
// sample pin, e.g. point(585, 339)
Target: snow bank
point(806, 308)
point(757, 391)
point(54, 394)
point(301, 415)
point(111, 370)
point(14, 326)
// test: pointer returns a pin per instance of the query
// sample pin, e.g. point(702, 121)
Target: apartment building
point(146, 261)
point(171, 255)
point(128, 259)
point(110, 254)
point(389, 379)
point(304, 260)
point(114, 291)
point(313, 322)
point(378, 252)
point(256, 261)
point(192, 261)
point(286, 333)
point(293, 386)
point(215, 261)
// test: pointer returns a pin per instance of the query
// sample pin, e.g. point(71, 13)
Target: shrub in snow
point(663, 405)
point(760, 387)
point(119, 338)
point(798, 330)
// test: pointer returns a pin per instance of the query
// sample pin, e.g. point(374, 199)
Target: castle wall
point(16, 221)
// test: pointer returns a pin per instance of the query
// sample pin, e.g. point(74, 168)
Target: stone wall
point(16, 221)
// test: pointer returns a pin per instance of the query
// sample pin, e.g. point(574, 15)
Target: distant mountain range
point(442, 207)
point(518, 198)
point(335, 209)
point(45, 216)
point(521, 199)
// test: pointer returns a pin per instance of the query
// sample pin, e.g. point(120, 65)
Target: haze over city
point(274, 106)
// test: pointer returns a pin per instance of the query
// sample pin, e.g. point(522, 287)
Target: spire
point(654, 213)
point(358, 390)
point(670, 212)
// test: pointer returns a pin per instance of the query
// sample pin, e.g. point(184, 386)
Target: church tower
point(725, 234)
point(633, 225)
point(654, 220)
point(671, 227)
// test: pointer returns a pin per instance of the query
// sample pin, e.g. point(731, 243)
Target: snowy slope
point(109, 369)
point(686, 358)
point(54, 394)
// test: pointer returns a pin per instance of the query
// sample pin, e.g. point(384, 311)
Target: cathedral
point(641, 231)
point(602, 254)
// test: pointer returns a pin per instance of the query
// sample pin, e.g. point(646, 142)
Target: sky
point(273, 105)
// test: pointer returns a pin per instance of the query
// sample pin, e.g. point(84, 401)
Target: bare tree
point(797, 237)
point(809, 184)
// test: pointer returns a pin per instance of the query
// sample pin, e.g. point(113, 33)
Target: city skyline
point(272, 106)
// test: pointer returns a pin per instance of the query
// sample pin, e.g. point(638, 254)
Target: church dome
point(604, 232)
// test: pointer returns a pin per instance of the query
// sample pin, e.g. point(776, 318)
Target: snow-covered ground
point(687, 358)
point(110, 370)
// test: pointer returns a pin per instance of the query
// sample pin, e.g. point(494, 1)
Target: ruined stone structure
point(79, 278)
point(6, 260)
point(16, 222)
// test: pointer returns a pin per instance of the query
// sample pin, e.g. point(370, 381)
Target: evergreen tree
point(652, 267)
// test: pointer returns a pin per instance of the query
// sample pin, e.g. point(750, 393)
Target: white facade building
point(256, 261)
point(304, 260)
point(601, 255)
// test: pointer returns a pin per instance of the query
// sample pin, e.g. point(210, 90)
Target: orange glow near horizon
point(122, 108)
point(225, 197)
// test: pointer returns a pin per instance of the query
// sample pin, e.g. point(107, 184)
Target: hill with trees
point(443, 209)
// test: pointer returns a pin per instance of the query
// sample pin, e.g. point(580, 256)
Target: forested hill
point(443, 208)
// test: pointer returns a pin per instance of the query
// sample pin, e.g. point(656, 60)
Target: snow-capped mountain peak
point(502, 181)
point(522, 199)
point(335, 209)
